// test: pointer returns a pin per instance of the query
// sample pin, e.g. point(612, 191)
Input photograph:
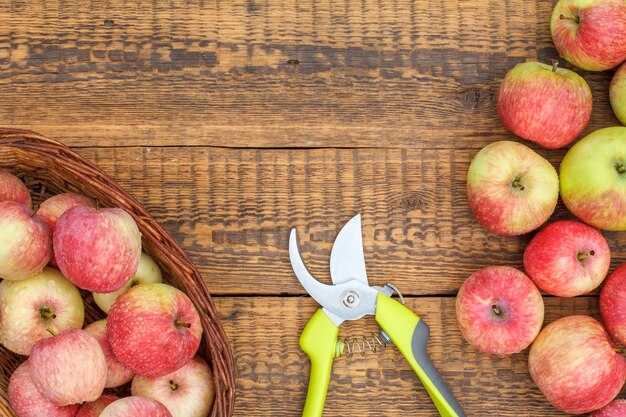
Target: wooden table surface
point(234, 121)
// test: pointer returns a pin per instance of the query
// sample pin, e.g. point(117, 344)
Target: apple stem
point(618, 350)
point(496, 310)
point(621, 169)
point(52, 332)
point(173, 385)
point(555, 64)
point(581, 256)
point(574, 18)
point(517, 183)
point(182, 324)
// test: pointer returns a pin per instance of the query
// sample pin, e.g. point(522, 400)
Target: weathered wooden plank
point(231, 210)
point(269, 74)
point(272, 372)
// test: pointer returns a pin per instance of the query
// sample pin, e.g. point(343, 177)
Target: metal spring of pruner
point(374, 343)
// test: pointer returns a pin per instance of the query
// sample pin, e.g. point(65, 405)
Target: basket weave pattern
point(49, 167)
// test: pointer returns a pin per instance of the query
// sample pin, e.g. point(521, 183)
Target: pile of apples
point(512, 190)
point(150, 337)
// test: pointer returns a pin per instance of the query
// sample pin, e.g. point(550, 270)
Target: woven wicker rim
point(22, 150)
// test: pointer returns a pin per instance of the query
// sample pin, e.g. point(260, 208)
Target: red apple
point(25, 242)
point(544, 104)
point(97, 249)
point(51, 209)
point(11, 188)
point(617, 93)
point(95, 408)
point(135, 407)
point(616, 408)
point(499, 310)
point(187, 392)
point(69, 368)
point(590, 34)
point(117, 374)
point(511, 189)
point(613, 304)
point(26, 401)
point(567, 258)
point(35, 306)
point(154, 329)
point(576, 365)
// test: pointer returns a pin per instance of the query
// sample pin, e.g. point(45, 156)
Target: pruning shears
point(350, 298)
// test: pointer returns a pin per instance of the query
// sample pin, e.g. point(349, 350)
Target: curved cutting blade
point(347, 261)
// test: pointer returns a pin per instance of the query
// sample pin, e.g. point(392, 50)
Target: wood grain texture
point(254, 73)
point(273, 372)
point(231, 210)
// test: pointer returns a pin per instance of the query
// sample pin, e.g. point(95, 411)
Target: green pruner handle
point(410, 335)
point(319, 341)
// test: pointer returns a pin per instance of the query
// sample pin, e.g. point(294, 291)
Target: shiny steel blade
point(332, 297)
point(347, 261)
point(318, 290)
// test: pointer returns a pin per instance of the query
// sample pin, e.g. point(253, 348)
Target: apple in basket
point(590, 34)
point(147, 272)
point(617, 408)
point(567, 258)
point(69, 368)
point(11, 188)
point(51, 209)
point(117, 374)
point(97, 249)
point(186, 392)
point(27, 401)
point(593, 178)
point(499, 310)
point(511, 189)
point(545, 104)
point(94, 408)
point(25, 242)
point(154, 329)
point(135, 407)
point(576, 365)
point(35, 307)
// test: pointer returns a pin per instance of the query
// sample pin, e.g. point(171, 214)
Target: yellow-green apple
point(94, 408)
point(117, 374)
point(97, 249)
point(617, 93)
point(567, 258)
point(154, 329)
point(25, 242)
point(499, 310)
point(613, 304)
point(35, 307)
point(186, 392)
point(616, 408)
point(544, 104)
point(147, 272)
point(69, 368)
point(590, 33)
point(135, 406)
point(52, 208)
point(576, 365)
point(26, 401)
point(593, 179)
point(11, 188)
point(511, 189)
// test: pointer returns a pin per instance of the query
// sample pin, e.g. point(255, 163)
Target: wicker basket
point(48, 167)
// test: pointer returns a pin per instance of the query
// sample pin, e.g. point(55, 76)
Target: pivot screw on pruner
point(351, 299)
